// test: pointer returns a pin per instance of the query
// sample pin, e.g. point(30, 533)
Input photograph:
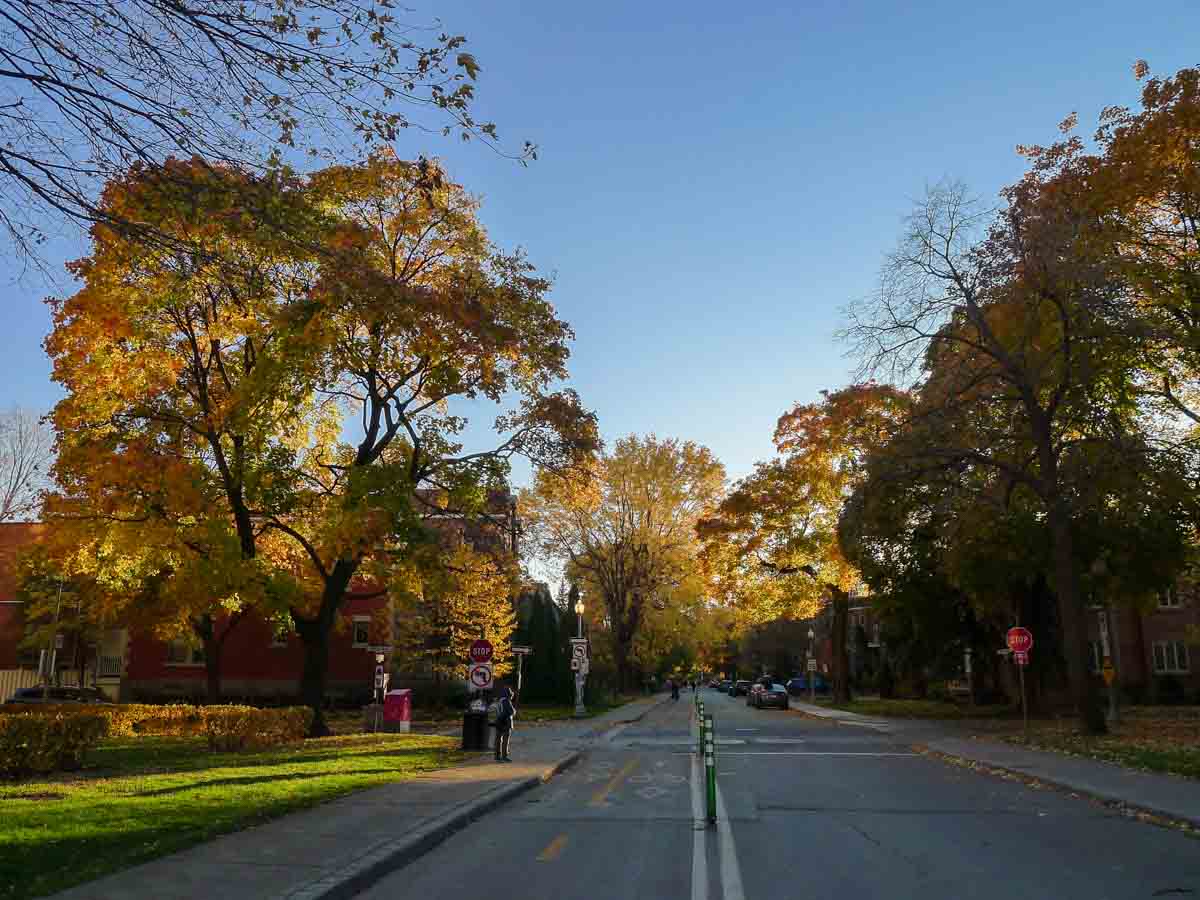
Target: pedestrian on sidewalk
point(505, 715)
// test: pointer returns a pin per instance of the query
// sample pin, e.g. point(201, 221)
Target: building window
point(1095, 656)
point(362, 631)
point(1170, 599)
point(182, 652)
point(875, 641)
point(1170, 657)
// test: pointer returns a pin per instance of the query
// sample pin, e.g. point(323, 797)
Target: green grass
point(138, 799)
point(547, 712)
point(1141, 741)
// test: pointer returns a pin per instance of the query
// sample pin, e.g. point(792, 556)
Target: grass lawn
point(1153, 743)
point(142, 798)
point(542, 712)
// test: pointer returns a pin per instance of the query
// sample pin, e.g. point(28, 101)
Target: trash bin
point(475, 730)
point(397, 711)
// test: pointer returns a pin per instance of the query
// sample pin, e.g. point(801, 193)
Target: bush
point(130, 719)
point(237, 728)
point(229, 728)
point(56, 741)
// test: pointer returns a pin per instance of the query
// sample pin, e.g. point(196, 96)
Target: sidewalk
point(1163, 795)
point(336, 849)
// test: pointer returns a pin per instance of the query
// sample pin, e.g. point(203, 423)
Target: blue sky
point(716, 181)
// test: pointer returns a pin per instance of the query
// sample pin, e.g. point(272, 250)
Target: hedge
point(248, 728)
point(38, 732)
point(49, 742)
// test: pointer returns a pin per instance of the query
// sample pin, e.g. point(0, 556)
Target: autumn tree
point(1021, 345)
point(287, 409)
point(26, 453)
point(627, 530)
point(782, 519)
point(452, 601)
point(87, 90)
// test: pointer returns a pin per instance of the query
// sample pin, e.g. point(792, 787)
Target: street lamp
point(580, 671)
point(812, 669)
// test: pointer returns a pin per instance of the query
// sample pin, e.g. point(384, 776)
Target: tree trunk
point(1074, 628)
point(314, 634)
point(315, 674)
point(840, 662)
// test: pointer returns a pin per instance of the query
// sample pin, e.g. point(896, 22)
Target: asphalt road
point(810, 810)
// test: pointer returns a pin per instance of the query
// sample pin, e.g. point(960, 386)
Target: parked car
point(739, 688)
point(775, 695)
point(751, 695)
point(58, 695)
point(799, 686)
point(723, 686)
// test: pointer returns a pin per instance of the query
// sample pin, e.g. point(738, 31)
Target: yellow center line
point(601, 796)
point(552, 850)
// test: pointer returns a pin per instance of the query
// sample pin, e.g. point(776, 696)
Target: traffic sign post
point(1020, 642)
point(520, 652)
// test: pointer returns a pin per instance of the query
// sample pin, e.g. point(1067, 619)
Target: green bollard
point(710, 772)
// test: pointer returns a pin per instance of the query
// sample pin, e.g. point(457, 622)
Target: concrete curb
point(385, 857)
point(1135, 810)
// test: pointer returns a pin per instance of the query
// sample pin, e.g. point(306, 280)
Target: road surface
point(810, 810)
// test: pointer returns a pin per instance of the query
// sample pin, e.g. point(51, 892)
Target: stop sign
point(1020, 640)
point(481, 651)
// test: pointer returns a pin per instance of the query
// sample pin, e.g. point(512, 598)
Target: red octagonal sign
point(1020, 640)
point(481, 651)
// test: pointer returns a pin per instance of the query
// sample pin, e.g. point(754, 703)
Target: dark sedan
point(798, 687)
point(776, 695)
point(58, 695)
point(739, 688)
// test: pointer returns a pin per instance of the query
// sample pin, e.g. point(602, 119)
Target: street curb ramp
point(387, 856)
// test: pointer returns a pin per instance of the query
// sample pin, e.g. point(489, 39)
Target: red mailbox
point(397, 710)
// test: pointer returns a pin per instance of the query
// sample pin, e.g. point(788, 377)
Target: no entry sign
point(481, 651)
point(1020, 640)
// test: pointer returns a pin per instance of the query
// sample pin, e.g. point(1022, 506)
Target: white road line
point(731, 873)
point(699, 859)
point(806, 753)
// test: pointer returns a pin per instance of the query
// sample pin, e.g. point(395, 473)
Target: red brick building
point(258, 659)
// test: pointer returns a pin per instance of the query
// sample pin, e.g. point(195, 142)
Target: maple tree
point(281, 413)
point(782, 520)
point(1026, 358)
point(460, 598)
point(626, 531)
point(90, 89)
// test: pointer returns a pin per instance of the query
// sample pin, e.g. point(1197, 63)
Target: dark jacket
point(507, 711)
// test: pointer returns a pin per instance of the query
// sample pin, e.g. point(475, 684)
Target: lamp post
point(812, 670)
point(580, 671)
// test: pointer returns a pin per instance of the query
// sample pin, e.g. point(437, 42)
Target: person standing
point(505, 715)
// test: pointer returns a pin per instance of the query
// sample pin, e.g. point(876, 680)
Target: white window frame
point(1170, 658)
point(193, 655)
point(1170, 599)
point(354, 623)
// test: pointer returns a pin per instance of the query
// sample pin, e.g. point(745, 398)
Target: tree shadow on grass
point(243, 781)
